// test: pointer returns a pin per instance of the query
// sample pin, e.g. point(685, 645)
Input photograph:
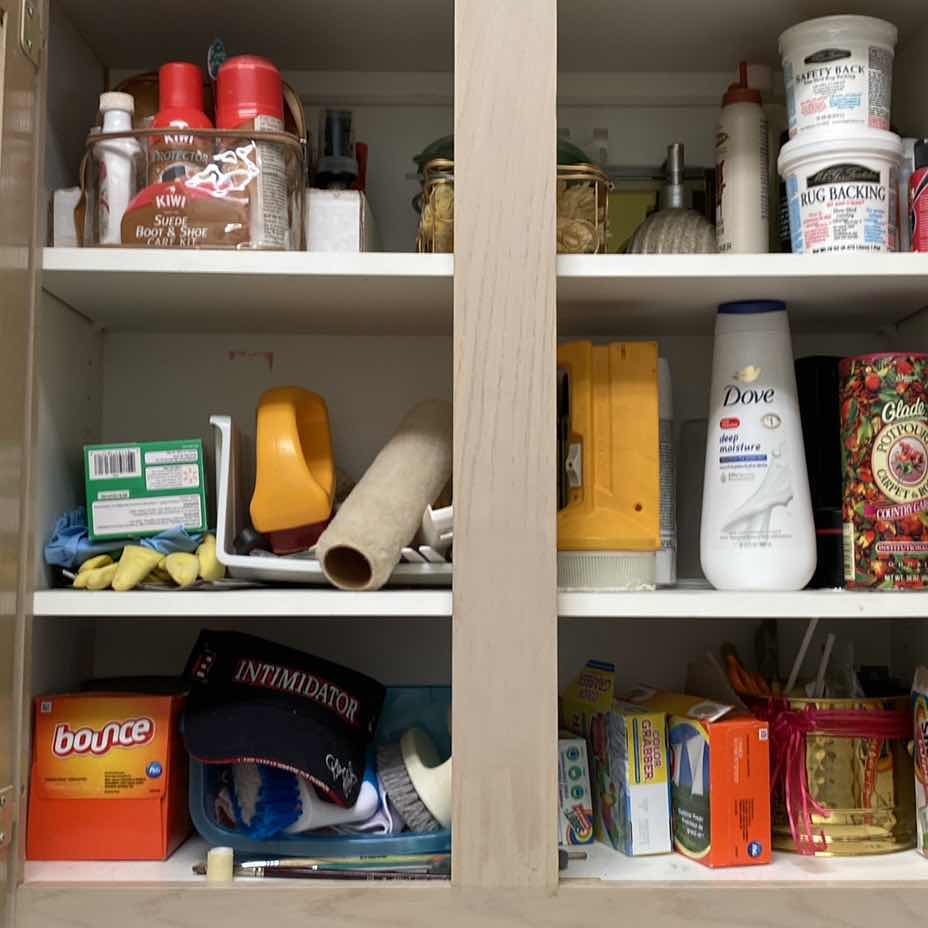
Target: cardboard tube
point(362, 545)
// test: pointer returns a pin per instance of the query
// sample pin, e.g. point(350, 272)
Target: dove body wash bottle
point(757, 530)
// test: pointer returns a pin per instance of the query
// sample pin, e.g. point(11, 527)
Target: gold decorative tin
point(866, 783)
point(582, 208)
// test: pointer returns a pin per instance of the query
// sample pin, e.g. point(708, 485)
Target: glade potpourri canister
point(884, 454)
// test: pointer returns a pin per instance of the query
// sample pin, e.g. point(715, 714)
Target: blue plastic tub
point(404, 707)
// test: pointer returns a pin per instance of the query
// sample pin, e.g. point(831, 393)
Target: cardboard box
point(138, 489)
point(575, 821)
point(629, 758)
point(721, 779)
point(339, 220)
point(109, 778)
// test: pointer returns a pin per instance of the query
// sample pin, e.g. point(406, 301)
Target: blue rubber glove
point(70, 544)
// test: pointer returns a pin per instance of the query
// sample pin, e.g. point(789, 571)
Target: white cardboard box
point(339, 220)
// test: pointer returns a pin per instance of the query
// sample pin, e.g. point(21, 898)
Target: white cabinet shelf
point(296, 602)
point(706, 603)
point(604, 863)
point(178, 868)
point(392, 293)
point(679, 294)
point(249, 291)
point(248, 603)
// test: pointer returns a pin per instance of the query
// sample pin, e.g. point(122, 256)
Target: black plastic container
point(817, 382)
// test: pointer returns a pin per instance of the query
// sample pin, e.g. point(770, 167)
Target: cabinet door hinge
point(30, 30)
point(7, 815)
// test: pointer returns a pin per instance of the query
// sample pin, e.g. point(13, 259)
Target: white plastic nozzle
point(438, 528)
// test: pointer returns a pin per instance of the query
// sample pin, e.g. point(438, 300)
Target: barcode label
point(116, 462)
point(849, 551)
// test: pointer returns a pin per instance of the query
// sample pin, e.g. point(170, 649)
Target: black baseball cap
point(255, 701)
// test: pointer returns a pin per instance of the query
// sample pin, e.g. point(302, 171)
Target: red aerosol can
point(918, 198)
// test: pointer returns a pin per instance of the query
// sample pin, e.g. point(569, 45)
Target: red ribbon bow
point(788, 731)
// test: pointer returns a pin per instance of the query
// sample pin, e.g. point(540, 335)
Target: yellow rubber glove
point(98, 578)
point(101, 560)
point(134, 566)
point(159, 575)
point(183, 569)
point(210, 568)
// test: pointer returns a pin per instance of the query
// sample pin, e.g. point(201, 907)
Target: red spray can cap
point(247, 86)
point(740, 92)
point(180, 86)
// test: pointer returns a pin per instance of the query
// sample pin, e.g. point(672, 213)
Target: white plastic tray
point(230, 521)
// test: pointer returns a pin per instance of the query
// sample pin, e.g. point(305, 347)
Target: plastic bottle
point(118, 163)
point(742, 155)
point(757, 528)
point(176, 155)
point(338, 166)
point(783, 233)
point(918, 198)
point(249, 95)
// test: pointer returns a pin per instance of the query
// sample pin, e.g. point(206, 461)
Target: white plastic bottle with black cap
point(757, 529)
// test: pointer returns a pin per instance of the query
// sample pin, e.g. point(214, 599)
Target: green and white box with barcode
point(139, 489)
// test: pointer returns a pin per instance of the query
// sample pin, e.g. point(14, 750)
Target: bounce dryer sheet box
point(575, 821)
point(720, 762)
point(629, 761)
point(138, 489)
point(109, 778)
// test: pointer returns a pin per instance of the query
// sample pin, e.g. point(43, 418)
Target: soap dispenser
point(674, 229)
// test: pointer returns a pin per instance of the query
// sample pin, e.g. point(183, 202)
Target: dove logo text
point(747, 396)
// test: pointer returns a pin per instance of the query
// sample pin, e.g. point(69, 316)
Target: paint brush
point(398, 861)
point(438, 865)
point(330, 873)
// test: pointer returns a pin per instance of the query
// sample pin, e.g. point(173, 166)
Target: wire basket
point(246, 192)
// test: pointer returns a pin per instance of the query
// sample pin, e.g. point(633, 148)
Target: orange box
point(109, 778)
point(720, 788)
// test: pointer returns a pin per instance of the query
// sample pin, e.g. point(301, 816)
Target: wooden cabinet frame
point(505, 608)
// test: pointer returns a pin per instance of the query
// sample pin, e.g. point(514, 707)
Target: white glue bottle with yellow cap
point(757, 530)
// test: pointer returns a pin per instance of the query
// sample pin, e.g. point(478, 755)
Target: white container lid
point(124, 102)
point(837, 141)
point(829, 29)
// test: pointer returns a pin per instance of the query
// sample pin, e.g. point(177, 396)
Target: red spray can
point(918, 198)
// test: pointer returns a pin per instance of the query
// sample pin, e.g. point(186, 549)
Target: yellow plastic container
point(608, 525)
point(295, 469)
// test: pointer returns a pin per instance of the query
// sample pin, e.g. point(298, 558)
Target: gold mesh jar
point(866, 784)
point(582, 209)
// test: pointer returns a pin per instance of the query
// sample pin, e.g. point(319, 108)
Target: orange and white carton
point(109, 778)
point(720, 762)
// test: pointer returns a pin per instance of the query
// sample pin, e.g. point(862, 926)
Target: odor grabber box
point(720, 782)
point(138, 489)
point(629, 759)
point(109, 778)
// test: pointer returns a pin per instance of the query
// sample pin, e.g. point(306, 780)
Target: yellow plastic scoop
point(295, 472)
